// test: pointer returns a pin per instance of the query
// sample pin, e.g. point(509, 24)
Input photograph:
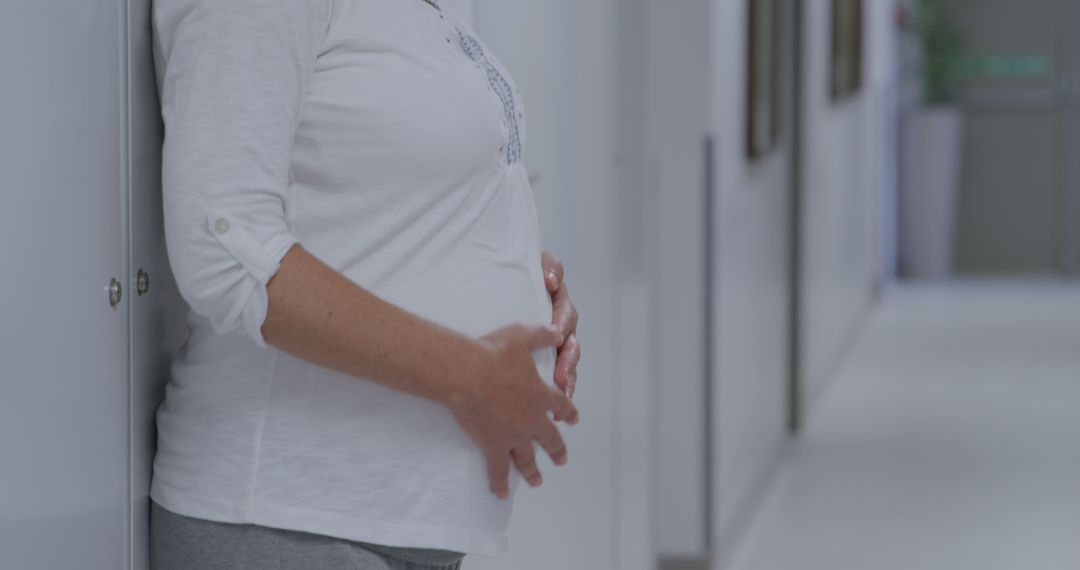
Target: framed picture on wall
point(847, 47)
point(763, 77)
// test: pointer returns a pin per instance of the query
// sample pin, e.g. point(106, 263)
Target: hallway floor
point(949, 440)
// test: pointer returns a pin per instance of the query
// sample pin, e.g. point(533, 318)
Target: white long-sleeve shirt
point(385, 138)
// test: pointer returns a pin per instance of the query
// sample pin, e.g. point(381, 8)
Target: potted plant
point(931, 142)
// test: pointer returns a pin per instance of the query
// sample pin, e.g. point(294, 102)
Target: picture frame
point(763, 119)
point(846, 70)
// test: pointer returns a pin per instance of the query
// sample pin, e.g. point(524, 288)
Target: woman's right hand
point(505, 405)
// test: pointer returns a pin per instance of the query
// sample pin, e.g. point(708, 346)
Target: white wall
point(677, 94)
point(843, 166)
point(697, 60)
point(751, 313)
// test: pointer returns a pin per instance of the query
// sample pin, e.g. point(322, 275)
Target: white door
point(63, 345)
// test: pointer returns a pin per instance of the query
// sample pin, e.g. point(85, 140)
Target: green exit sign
point(1005, 66)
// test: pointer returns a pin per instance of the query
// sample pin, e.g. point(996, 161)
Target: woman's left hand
point(563, 323)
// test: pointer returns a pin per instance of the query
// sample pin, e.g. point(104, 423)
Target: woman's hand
point(506, 405)
point(491, 385)
point(564, 324)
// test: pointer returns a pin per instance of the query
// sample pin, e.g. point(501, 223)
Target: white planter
point(930, 166)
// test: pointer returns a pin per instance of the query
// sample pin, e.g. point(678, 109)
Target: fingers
point(540, 337)
point(553, 270)
point(564, 316)
point(563, 408)
point(551, 440)
point(498, 465)
point(566, 365)
point(525, 460)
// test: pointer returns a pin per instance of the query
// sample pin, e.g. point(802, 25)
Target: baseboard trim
point(684, 564)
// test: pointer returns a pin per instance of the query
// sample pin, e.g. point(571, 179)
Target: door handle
point(142, 282)
point(115, 292)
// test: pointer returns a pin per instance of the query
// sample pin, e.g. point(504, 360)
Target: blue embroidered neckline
point(501, 87)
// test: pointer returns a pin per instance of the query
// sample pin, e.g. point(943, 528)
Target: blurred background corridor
point(946, 440)
point(825, 254)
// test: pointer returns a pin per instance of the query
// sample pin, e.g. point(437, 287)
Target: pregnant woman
point(372, 355)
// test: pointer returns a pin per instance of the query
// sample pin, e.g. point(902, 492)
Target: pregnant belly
point(476, 299)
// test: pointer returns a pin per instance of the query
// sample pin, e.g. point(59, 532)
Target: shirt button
point(221, 225)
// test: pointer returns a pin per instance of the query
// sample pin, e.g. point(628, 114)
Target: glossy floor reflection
point(949, 439)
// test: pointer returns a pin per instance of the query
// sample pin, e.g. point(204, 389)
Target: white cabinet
point(63, 345)
point(157, 316)
point(80, 374)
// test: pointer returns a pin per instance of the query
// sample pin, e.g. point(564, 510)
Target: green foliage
point(943, 48)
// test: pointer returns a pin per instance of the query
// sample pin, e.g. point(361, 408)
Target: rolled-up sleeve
point(232, 76)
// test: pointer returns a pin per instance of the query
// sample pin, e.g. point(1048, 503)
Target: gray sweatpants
point(178, 542)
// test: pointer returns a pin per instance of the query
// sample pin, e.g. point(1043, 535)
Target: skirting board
point(684, 564)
